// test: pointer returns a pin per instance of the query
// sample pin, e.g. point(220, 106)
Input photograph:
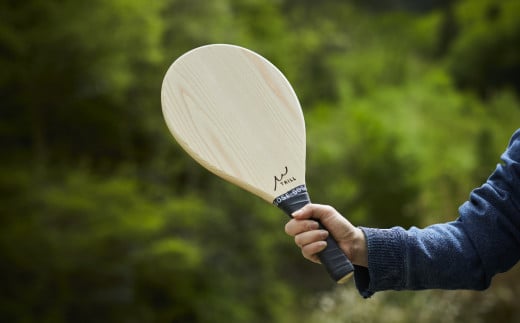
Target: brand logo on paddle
point(283, 179)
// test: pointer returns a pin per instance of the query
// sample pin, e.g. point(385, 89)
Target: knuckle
point(311, 225)
point(329, 209)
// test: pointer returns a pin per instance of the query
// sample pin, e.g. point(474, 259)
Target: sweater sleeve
point(462, 254)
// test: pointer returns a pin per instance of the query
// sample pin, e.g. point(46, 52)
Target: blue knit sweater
point(463, 254)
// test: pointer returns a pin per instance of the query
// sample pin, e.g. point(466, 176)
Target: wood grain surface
point(238, 116)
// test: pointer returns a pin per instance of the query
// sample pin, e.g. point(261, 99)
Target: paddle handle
point(332, 257)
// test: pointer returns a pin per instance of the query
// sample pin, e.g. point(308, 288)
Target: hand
point(311, 240)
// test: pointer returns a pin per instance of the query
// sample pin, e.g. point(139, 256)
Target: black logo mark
point(283, 180)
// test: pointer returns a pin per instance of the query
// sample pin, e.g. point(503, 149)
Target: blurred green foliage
point(103, 218)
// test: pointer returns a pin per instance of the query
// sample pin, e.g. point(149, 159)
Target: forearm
point(440, 256)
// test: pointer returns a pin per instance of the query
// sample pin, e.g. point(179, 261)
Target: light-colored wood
point(238, 116)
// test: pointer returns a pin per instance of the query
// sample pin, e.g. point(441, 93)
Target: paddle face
point(237, 115)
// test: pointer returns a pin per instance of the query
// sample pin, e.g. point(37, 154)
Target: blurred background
point(103, 218)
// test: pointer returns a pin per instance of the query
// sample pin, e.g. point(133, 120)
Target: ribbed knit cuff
point(386, 250)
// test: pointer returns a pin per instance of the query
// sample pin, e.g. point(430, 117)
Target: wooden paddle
point(237, 115)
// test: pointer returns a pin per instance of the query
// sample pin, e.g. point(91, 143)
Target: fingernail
point(297, 213)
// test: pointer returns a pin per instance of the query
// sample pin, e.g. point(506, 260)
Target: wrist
point(358, 249)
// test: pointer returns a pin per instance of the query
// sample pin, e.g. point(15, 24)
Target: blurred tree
point(68, 76)
point(97, 250)
point(104, 218)
point(485, 56)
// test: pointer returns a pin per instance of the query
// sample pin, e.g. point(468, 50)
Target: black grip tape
point(332, 257)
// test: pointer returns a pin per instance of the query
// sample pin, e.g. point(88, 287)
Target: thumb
point(305, 212)
point(315, 211)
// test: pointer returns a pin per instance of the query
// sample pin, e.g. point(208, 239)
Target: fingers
point(311, 243)
point(295, 226)
point(308, 237)
point(312, 250)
